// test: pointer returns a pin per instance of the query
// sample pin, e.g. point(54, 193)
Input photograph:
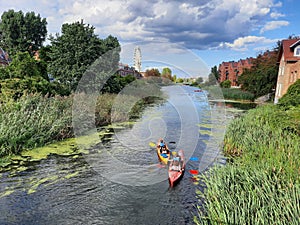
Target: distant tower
point(137, 58)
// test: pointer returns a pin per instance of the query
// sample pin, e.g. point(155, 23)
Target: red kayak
point(176, 168)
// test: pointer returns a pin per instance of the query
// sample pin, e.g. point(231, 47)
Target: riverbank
point(35, 121)
point(260, 183)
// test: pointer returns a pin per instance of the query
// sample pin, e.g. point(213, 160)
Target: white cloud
point(242, 44)
point(276, 15)
point(200, 24)
point(272, 25)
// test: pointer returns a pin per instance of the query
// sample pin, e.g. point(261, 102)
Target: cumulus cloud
point(276, 15)
point(200, 24)
point(272, 25)
point(242, 43)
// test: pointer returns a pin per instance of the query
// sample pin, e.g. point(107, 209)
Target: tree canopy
point(19, 32)
point(76, 49)
point(262, 77)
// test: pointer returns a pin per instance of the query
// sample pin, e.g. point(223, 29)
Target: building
point(232, 70)
point(137, 59)
point(4, 58)
point(125, 70)
point(289, 66)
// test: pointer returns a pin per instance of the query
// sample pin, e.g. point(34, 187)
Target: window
point(297, 51)
point(292, 77)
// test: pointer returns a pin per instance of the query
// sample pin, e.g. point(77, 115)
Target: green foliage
point(152, 73)
point(167, 73)
point(179, 80)
point(116, 83)
point(213, 77)
point(229, 93)
point(21, 32)
point(33, 121)
point(251, 187)
point(76, 49)
point(262, 77)
point(23, 65)
point(26, 75)
point(292, 97)
point(225, 84)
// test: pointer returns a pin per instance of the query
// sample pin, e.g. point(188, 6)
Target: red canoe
point(176, 169)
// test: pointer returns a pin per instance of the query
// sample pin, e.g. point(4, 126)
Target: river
point(120, 181)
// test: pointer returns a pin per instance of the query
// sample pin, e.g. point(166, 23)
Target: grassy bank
point(34, 120)
point(230, 93)
point(260, 184)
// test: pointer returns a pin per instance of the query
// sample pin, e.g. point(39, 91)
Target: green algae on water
point(36, 184)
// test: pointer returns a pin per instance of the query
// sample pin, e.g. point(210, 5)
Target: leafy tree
point(24, 75)
point(21, 32)
point(213, 77)
point(262, 77)
point(76, 49)
point(179, 80)
point(152, 73)
point(167, 73)
point(225, 84)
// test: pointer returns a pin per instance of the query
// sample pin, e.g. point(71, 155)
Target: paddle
point(194, 159)
point(194, 172)
point(152, 144)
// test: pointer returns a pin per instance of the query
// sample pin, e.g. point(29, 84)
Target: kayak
point(176, 171)
point(163, 157)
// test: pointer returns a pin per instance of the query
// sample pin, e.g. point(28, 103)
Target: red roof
point(287, 49)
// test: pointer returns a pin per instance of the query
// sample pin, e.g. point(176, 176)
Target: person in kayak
point(176, 163)
point(163, 147)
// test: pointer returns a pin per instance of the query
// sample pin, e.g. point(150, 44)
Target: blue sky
point(191, 35)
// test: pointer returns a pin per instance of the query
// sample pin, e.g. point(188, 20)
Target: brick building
point(232, 70)
point(289, 66)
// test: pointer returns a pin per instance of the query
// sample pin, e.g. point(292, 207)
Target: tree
point(152, 73)
point(225, 84)
point(25, 75)
point(167, 73)
point(261, 79)
point(76, 49)
point(213, 77)
point(21, 32)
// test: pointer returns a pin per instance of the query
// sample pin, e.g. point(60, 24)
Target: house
point(232, 70)
point(125, 70)
point(289, 66)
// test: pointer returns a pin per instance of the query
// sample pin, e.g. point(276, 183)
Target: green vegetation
point(74, 51)
point(37, 92)
point(260, 183)
point(292, 97)
point(230, 93)
point(262, 77)
point(225, 84)
point(20, 33)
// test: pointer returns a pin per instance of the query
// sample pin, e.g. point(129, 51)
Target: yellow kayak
point(164, 156)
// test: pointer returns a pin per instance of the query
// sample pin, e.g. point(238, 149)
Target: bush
point(292, 97)
point(225, 84)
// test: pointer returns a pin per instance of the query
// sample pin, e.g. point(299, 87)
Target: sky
point(190, 36)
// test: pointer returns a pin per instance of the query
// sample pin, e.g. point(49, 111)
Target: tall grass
point(230, 93)
point(34, 121)
point(261, 184)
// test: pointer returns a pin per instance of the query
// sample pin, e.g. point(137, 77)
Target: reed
point(260, 184)
point(230, 93)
